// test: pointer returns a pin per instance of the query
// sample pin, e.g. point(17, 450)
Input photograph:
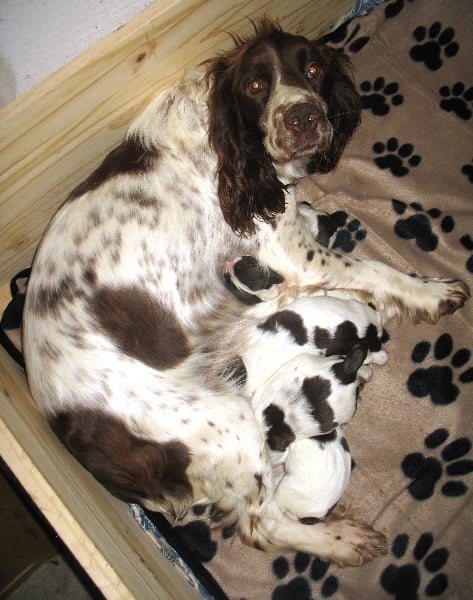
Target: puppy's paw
point(353, 542)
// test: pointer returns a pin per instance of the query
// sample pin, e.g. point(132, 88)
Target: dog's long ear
point(344, 106)
point(248, 186)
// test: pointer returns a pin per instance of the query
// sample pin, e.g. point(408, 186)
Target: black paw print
point(457, 99)
point(404, 581)
point(425, 471)
point(298, 588)
point(418, 226)
point(394, 8)
point(348, 42)
point(396, 156)
point(468, 171)
point(378, 95)
point(432, 43)
point(196, 536)
point(467, 242)
point(436, 381)
point(347, 237)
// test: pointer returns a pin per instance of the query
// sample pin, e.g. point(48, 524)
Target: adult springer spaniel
point(130, 334)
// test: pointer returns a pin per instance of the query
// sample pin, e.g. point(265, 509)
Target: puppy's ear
point(346, 371)
point(344, 105)
point(248, 186)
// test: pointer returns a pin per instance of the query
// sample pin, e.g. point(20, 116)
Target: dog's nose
point(301, 117)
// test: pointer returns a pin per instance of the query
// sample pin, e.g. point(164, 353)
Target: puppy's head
point(250, 281)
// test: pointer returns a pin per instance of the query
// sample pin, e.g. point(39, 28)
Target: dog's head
point(281, 107)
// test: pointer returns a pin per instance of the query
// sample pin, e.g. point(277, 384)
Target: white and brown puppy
point(302, 367)
point(126, 289)
point(251, 282)
point(300, 408)
point(324, 325)
point(316, 473)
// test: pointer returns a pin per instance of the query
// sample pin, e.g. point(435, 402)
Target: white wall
point(37, 37)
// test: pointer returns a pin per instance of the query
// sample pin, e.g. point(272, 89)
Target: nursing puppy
point(251, 282)
point(316, 473)
point(302, 367)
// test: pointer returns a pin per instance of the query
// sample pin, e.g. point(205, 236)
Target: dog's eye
point(256, 86)
point(312, 71)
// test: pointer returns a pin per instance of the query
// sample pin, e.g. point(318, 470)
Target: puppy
point(303, 380)
point(316, 473)
point(252, 282)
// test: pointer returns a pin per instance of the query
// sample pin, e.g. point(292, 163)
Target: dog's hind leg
point(345, 541)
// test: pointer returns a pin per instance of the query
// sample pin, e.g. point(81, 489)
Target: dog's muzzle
point(308, 126)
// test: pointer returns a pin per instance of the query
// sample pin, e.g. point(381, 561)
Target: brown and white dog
point(126, 298)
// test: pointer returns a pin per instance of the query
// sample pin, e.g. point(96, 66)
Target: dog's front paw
point(354, 542)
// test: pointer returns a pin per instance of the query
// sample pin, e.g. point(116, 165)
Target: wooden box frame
point(50, 139)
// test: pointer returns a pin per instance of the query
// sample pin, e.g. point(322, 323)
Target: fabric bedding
point(406, 182)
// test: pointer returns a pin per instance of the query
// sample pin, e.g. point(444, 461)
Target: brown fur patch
point(131, 468)
point(51, 299)
point(317, 390)
point(140, 326)
point(289, 320)
point(130, 157)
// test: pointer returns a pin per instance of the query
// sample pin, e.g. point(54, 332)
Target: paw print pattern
point(347, 237)
point(468, 171)
point(396, 156)
point(196, 536)
point(467, 242)
point(378, 95)
point(304, 567)
point(418, 226)
point(394, 8)
point(426, 471)
point(457, 99)
point(348, 42)
point(405, 580)
point(436, 381)
point(434, 43)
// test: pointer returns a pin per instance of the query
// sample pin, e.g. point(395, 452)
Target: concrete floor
point(57, 579)
point(29, 544)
